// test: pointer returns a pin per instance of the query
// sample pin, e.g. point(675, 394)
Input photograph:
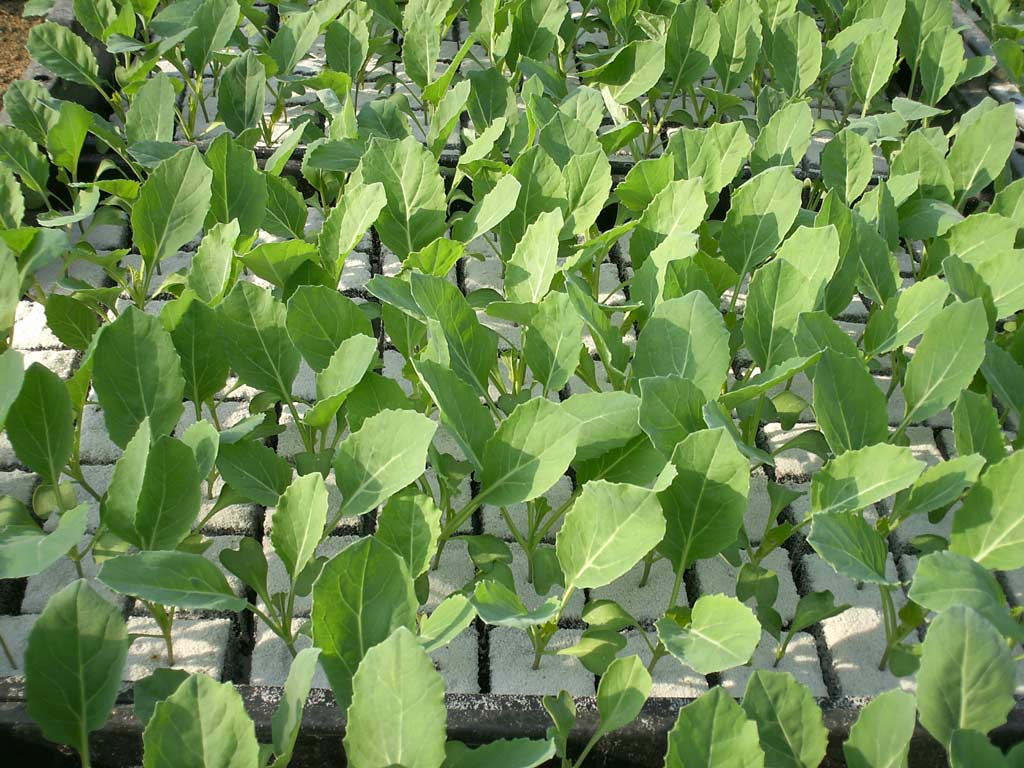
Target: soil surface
point(13, 33)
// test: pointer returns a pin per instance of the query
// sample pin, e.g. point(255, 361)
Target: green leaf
point(527, 454)
point(457, 338)
point(293, 40)
point(320, 319)
point(939, 486)
point(154, 688)
point(257, 344)
point(214, 22)
point(779, 293)
point(711, 727)
point(415, 211)
point(588, 181)
point(740, 42)
point(460, 407)
point(946, 359)
point(976, 427)
point(197, 340)
point(410, 524)
point(71, 320)
point(989, 527)
point(873, 63)
point(384, 455)
point(794, 49)
point(67, 135)
point(534, 262)
point(172, 204)
point(788, 720)
point(942, 61)
point(983, 143)
point(25, 550)
point(346, 224)
point(211, 266)
point(966, 678)
point(362, 595)
point(12, 201)
point(489, 210)
point(850, 545)
point(722, 634)
point(137, 375)
point(685, 337)
point(73, 664)
point(553, 340)
point(881, 736)
point(677, 209)
point(968, 748)
point(40, 424)
point(19, 152)
point(847, 164)
point(64, 53)
point(298, 522)
point(760, 383)
point(633, 70)
point(784, 138)
point(169, 497)
point(905, 316)
point(671, 408)
point(945, 579)
point(288, 716)
point(624, 687)
point(591, 545)
point(204, 724)
point(762, 211)
point(347, 43)
point(855, 479)
point(254, 470)
point(242, 91)
point(705, 504)
point(503, 753)
point(500, 606)
point(239, 187)
point(692, 44)
point(204, 440)
point(180, 579)
point(151, 115)
point(849, 406)
point(397, 715)
point(446, 622)
point(606, 420)
point(354, 357)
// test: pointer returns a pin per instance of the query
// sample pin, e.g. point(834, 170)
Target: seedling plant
point(676, 208)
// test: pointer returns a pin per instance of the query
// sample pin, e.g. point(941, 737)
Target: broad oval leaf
point(967, 673)
point(298, 522)
point(180, 579)
point(384, 455)
point(714, 730)
point(529, 452)
point(855, 479)
point(363, 594)
point(722, 634)
point(989, 526)
point(685, 337)
point(137, 375)
point(40, 424)
point(788, 719)
point(397, 715)
point(203, 724)
point(73, 664)
point(593, 545)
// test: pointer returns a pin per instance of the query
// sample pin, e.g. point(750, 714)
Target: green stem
point(7, 653)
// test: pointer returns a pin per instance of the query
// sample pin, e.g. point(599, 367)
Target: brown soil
point(13, 33)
